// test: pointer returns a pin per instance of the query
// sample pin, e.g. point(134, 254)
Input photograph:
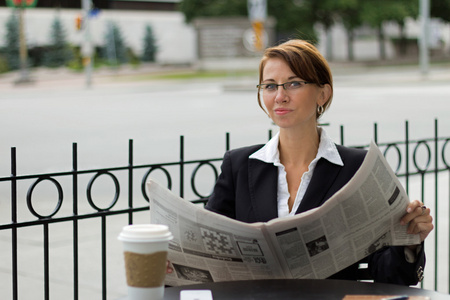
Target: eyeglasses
point(287, 86)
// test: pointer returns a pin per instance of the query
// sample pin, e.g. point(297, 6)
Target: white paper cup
point(145, 252)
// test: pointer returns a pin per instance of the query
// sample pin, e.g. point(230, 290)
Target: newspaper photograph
point(361, 218)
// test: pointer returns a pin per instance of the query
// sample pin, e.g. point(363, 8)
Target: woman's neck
point(298, 148)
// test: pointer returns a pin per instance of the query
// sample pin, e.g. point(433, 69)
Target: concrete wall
point(175, 39)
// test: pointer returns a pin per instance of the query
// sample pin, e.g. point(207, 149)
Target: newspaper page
point(362, 217)
point(208, 247)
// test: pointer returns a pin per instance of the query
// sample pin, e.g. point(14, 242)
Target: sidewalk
point(343, 72)
point(44, 78)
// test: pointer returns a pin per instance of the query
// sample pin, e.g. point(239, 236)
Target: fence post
point(407, 155)
point(436, 201)
point(181, 166)
point(375, 133)
point(130, 181)
point(104, 271)
point(14, 221)
point(46, 262)
point(75, 220)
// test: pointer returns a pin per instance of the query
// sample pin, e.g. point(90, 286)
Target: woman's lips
point(282, 111)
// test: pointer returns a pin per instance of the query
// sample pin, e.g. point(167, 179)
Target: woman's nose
point(281, 95)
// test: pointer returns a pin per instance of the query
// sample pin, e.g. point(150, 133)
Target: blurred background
point(99, 73)
point(112, 33)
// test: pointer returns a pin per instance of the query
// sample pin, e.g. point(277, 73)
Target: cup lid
point(145, 232)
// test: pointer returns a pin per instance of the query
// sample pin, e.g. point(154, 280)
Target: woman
point(300, 167)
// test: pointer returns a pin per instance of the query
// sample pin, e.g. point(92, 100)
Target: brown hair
point(304, 60)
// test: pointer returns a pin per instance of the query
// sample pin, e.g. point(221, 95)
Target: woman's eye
point(270, 86)
point(295, 84)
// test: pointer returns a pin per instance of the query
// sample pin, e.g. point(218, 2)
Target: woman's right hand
point(169, 269)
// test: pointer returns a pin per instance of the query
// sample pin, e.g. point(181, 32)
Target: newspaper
point(359, 219)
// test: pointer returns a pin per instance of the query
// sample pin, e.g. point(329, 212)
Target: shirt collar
point(327, 150)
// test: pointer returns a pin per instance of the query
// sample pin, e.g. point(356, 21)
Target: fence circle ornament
point(443, 154)
point(194, 173)
point(30, 196)
point(428, 161)
point(21, 3)
point(399, 154)
point(145, 179)
point(89, 190)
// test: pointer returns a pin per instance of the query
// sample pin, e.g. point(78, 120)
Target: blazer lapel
point(263, 181)
point(324, 176)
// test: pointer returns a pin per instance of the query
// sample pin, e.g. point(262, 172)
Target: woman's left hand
point(419, 219)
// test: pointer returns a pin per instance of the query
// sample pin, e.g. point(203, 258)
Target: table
point(299, 289)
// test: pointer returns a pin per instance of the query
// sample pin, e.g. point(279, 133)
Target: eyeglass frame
point(260, 86)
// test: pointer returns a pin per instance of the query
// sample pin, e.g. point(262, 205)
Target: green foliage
point(36, 55)
point(12, 42)
point(212, 8)
point(296, 18)
point(375, 12)
point(77, 62)
point(115, 51)
point(293, 19)
point(150, 47)
point(350, 13)
point(133, 59)
point(440, 9)
point(292, 16)
point(59, 52)
point(3, 64)
point(324, 11)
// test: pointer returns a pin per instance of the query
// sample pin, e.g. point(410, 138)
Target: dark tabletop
point(304, 289)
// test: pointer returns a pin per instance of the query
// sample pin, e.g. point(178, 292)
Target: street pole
point(23, 55)
point(257, 11)
point(86, 48)
point(424, 36)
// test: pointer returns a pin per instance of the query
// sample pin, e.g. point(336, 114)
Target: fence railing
point(414, 161)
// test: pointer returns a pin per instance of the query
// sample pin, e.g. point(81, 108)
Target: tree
point(150, 47)
point(349, 12)
point(212, 8)
point(376, 12)
point(293, 16)
point(115, 50)
point(440, 9)
point(401, 10)
point(324, 13)
point(12, 42)
point(375, 15)
point(59, 52)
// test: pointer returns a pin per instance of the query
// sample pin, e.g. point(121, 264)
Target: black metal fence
point(412, 160)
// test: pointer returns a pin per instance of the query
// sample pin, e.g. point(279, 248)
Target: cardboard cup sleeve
point(145, 270)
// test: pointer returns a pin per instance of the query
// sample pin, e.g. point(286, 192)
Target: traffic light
point(79, 22)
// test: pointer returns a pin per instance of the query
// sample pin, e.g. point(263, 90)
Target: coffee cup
point(145, 252)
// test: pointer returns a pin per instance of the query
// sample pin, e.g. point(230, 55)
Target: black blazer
point(246, 190)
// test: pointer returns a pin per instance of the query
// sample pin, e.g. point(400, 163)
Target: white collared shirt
point(270, 154)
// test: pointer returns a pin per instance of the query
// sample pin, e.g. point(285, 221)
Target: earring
point(320, 110)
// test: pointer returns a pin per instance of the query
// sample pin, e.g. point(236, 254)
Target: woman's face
point(292, 108)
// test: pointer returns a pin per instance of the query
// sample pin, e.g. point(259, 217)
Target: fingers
point(413, 206)
point(169, 269)
point(414, 210)
point(418, 219)
point(422, 228)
